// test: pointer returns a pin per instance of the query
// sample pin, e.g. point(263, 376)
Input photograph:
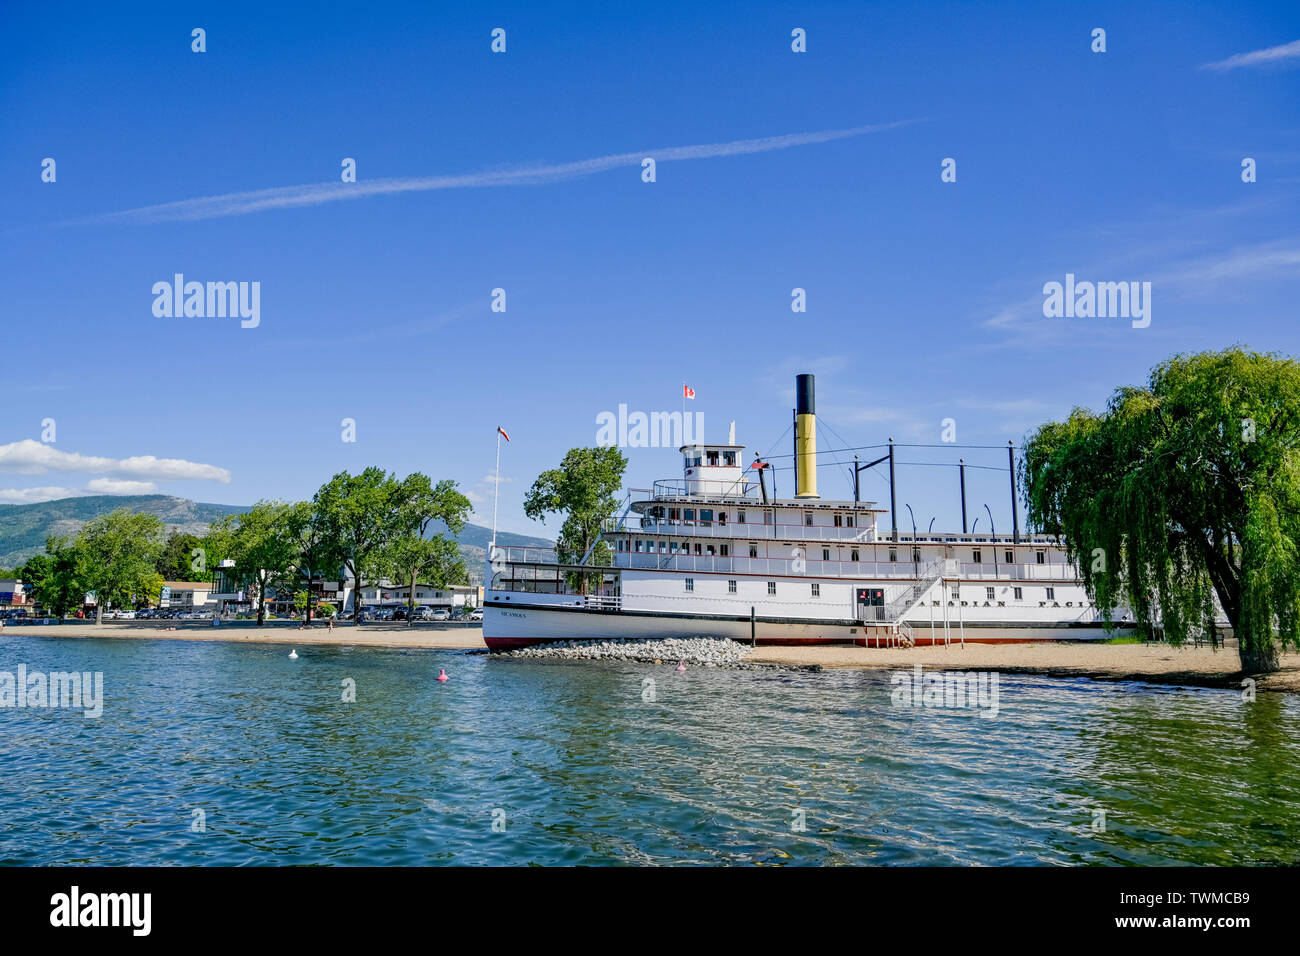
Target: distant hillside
point(24, 528)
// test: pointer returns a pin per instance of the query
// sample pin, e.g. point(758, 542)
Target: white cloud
point(1273, 54)
point(314, 194)
point(29, 457)
point(113, 486)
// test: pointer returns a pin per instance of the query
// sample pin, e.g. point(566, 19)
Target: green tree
point(176, 562)
point(52, 577)
point(412, 552)
point(117, 558)
point(1182, 491)
point(584, 489)
point(358, 516)
point(264, 546)
point(316, 547)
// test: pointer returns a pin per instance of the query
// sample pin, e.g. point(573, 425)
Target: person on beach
point(330, 622)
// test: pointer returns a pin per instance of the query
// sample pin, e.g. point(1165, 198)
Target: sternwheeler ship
point(712, 555)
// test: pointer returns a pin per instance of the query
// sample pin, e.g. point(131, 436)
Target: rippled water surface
point(581, 769)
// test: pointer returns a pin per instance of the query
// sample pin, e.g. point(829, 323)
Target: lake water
point(575, 767)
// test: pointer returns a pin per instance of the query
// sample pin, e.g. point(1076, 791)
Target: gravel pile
point(699, 651)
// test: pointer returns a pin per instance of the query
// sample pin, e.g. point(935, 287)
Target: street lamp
point(916, 566)
point(995, 541)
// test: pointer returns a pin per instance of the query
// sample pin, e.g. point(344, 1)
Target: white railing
point(757, 531)
point(809, 567)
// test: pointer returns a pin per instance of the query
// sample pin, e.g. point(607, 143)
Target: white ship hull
point(519, 622)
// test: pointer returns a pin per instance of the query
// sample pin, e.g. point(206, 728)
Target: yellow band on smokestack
point(805, 436)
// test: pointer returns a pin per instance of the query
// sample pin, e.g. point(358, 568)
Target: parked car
point(477, 616)
point(440, 615)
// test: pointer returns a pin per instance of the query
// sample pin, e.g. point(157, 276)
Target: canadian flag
point(503, 433)
point(687, 391)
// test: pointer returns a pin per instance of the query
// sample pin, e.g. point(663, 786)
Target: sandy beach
point(1153, 663)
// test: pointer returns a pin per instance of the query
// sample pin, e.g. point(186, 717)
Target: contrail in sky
point(313, 194)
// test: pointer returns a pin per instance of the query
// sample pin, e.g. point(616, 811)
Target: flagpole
point(496, 483)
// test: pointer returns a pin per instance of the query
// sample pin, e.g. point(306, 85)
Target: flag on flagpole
point(687, 391)
point(503, 433)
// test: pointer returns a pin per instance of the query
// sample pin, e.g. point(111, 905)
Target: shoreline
point(1161, 664)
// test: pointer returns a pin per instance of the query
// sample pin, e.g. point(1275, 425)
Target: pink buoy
point(442, 675)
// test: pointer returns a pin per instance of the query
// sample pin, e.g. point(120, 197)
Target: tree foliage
point(411, 553)
point(358, 515)
point(1181, 492)
point(264, 546)
point(117, 556)
point(585, 490)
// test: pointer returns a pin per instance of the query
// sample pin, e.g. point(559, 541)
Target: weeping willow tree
point(1184, 491)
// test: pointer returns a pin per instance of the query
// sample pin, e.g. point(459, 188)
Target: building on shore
point(12, 593)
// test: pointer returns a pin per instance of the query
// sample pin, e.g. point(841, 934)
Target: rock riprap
point(700, 651)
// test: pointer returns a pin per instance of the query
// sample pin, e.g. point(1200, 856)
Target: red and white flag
point(503, 433)
point(687, 391)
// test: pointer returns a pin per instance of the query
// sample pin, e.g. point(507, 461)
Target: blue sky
point(924, 298)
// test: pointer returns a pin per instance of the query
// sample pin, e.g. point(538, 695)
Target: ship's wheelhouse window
point(740, 517)
point(690, 584)
point(916, 555)
point(638, 545)
point(697, 547)
point(988, 594)
point(1042, 557)
point(1051, 594)
point(767, 516)
point(771, 587)
point(839, 521)
point(674, 514)
point(977, 556)
point(893, 554)
point(709, 550)
point(1018, 593)
point(729, 459)
point(826, 554)
point(816, 589)
point(853, 555)
point(689, 514)
point(713, 459)
point(731, 587)
point(753, 550)
point(722, 517)
point(724, 549)
point(686, 547)
point(663, 546)
point(808, 518)
point(848, 521)
point(706, 517)
point(674, 547)
point(1009, 557)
